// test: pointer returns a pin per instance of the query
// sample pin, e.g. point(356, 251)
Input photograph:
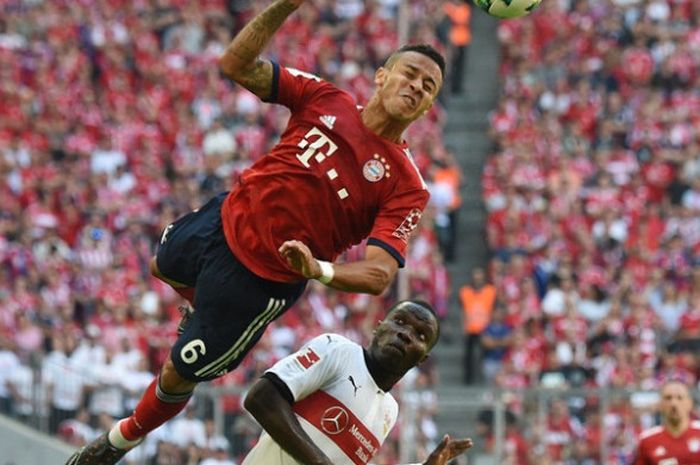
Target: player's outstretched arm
point(447, 450)
point(241, 62)
point(372, 275)
point(274, 413)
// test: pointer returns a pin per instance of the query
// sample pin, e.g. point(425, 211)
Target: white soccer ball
point(507, 8)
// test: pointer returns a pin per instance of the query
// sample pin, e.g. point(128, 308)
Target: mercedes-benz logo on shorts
point(334, 420)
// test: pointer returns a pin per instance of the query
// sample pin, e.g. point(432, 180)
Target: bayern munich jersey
point(658, 447)
point(336, 401)
point(330, 182)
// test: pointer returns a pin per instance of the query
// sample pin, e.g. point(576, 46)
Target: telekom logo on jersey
point(316, 151)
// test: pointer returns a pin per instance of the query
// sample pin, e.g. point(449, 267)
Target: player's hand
point(447, 450)
point(299, 257)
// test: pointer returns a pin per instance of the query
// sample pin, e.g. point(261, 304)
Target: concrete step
point(466, 134)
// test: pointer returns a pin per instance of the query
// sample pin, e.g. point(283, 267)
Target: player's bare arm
point(242, 63)
point(275, 415)
point(371, 275)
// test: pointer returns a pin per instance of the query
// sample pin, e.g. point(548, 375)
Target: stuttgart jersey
point(330, 182)
point(658, 447)
point(336, 401)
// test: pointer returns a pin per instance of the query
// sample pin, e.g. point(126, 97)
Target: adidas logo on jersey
point(328, 120)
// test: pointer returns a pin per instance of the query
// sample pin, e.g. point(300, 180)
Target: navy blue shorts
point(232, 306)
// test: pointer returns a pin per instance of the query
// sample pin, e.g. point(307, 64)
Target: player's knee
point(172, 382)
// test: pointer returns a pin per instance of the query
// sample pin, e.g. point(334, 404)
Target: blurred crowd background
point(115, 121)
point(593, 207)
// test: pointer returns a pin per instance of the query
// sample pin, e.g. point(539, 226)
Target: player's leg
point(178, 263)
point(165, 397)
point(234, 307)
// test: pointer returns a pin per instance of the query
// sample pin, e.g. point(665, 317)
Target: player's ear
point(379, 76)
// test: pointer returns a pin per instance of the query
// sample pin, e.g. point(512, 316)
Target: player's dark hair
point(423, 49)
point(420, 305)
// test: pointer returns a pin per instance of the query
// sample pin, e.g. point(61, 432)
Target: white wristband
point(327, 272)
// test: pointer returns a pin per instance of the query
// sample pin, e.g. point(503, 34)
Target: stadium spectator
point(477, 305)
point(495, 340)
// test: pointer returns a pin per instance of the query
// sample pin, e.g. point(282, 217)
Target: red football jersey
point(330, 182)
point(658, 447)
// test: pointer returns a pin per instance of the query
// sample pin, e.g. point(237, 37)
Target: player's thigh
point(183, 243)
point(232, 309)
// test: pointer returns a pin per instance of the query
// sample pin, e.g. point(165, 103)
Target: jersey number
point(192, 350)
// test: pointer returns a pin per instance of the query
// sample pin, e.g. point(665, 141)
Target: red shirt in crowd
point(330, 183)
point(658, 447)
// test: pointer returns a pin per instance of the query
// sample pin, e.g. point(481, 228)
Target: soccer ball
point(507, 8)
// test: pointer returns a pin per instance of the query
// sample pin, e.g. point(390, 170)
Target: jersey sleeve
point(639, 457)
point(312, 367)
point(396, 220)
point(292, 88)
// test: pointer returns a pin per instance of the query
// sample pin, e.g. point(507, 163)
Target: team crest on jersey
point(376, 168)
point(409, 224)
point(694, 445)
point(659, 451)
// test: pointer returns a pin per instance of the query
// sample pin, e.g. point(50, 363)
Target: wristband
point(327, 272)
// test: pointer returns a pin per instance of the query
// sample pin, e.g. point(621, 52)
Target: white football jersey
point(336, 401)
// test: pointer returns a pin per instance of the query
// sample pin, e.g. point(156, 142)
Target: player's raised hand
point(447, 450)
point(300, 258)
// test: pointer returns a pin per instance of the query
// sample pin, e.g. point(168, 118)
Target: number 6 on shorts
point(192, 350)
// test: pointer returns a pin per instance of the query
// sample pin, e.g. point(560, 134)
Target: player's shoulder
point(695, 425)
point(650, 433)
point(410, 176)
point(331, 342)
point(318, 82)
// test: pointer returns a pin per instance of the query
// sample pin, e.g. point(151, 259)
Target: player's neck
point(376, 119)
point(384, 379)
point(677, 430)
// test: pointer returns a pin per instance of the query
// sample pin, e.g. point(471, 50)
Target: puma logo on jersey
point(328, 120)
point(354, 386)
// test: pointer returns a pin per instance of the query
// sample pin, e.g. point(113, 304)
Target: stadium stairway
point(466, 135)
point(21, 445)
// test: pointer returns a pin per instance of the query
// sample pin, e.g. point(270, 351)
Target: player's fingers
point(288, 246)
point(466, 442)
point(458, 447)
point(442, 445)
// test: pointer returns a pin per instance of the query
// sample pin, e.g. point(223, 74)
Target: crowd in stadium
point(593, 215)
point(115, 121)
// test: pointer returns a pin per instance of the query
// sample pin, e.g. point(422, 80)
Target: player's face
point(404, 338)
point(676, 403)
point(408, 86)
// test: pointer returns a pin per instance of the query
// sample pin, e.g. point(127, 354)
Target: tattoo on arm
point(241, 60)
point(257, 78)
